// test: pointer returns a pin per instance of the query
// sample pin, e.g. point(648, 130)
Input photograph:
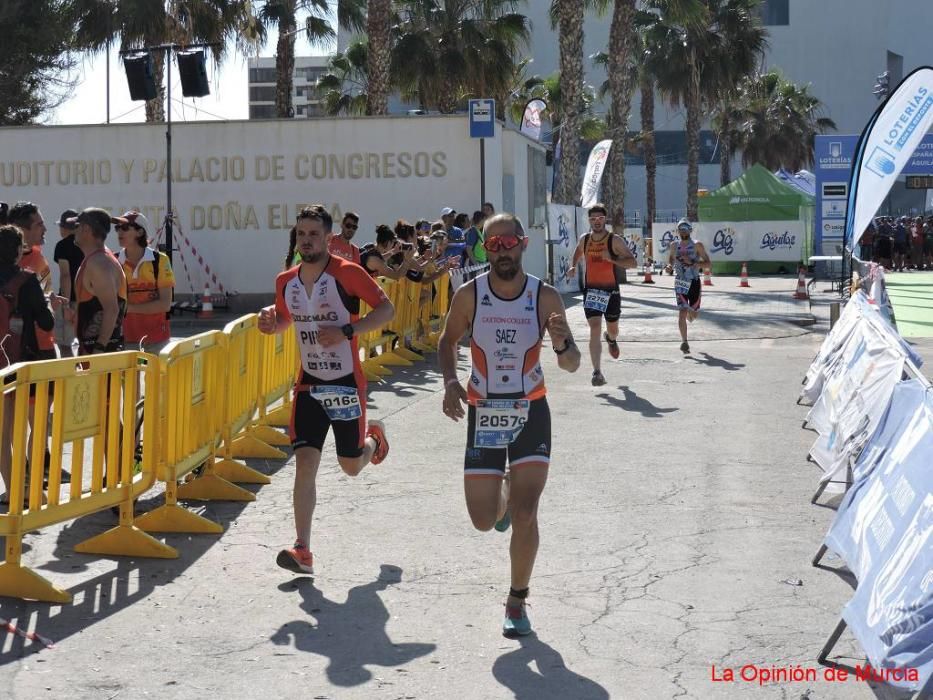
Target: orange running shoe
point(377, 431)
point(298, 559)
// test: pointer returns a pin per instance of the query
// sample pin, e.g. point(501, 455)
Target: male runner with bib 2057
point(606, 256)
point(507, 413)
point(321, 296)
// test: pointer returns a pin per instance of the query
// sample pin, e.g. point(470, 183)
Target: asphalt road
point(676, 536)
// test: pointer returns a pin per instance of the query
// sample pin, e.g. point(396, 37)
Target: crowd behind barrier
point(873, 412)
point(122, 422)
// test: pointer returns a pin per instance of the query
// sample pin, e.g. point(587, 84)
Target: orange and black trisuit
point(508, 415)
point(90, 312)
point(601, 295)
point(331, 386)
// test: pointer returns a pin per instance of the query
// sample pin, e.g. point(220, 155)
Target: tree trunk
point(377, 28)
point(647, 146)
point(571, 88)
point(621, 87)
point(155, 109)
point(285, 68)
point(725, 148)
point(693, 144)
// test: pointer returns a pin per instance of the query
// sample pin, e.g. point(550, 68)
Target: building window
point(670, 148)
point(262, 75)
point(775, 13)
point(262, 111)
point(262, 93)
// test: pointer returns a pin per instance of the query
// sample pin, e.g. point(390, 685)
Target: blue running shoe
point(516, 622)
point(505, 523)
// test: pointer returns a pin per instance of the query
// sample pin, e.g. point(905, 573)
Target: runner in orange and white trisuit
point(321, 296)
point(606, 256)
point(507, 416)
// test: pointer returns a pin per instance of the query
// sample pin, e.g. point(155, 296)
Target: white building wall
point(238, 185)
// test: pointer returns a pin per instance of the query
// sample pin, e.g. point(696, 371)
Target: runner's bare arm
point(624, 257)
point(102, 282)
point(64, 274)
point(702, 254)
point(552, 308)
point(456, 325)
point(160, 305)
point(577, 254)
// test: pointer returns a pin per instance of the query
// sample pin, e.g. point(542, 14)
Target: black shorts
point(532, 446)
point(310, 422)
point(691, 300)
point(613, 308)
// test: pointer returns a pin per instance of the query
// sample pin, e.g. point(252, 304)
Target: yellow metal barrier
point(193, 388)
point(278, 369)
point(95, 400)
point(243, 365)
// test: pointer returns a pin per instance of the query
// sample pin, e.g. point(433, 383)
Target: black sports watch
point(347, 330)
point(568, 343)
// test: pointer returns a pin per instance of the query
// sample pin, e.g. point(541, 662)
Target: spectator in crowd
point(69, 258)
point(474, 239)
point(867, 242)
point(30, 312)
point(454, 233)
point(100, 286)
point(375, 257)
point(884, 249)
point(149, 282)
point(488, 210)
point(916, 243)
point(928, 243)
point(900, 244)
point(28, 218)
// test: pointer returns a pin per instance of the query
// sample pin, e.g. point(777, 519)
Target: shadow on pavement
point(716, 362)
point(130, 582)
point(351, 634)
point(631, 401)
point(552, 679)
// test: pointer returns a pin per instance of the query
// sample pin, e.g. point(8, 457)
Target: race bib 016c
point(339, 402)
point(499, 421)
point(596, 299)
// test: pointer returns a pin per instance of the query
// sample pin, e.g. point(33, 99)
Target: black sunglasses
point(351, 226)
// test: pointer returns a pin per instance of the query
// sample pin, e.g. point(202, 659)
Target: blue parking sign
point(482, 119)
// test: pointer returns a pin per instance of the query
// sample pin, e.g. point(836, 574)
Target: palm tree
point(570, 38)
point(447, 50)
point(139, 24)
point(622, 77)
point(378, 26)
point(687, 45)
point(283, 15)
point(344, 88)
point(780, 121)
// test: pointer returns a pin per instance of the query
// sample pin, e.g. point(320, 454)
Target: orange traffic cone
point(801, 292)
point(207, 308)
point(647, 279)
point(743, 282)
point(708, 277)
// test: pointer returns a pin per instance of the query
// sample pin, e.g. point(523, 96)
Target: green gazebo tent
point(757, 195)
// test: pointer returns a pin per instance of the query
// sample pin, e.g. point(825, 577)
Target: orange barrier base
point(248, 446)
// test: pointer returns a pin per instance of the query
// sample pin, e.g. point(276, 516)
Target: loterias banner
point(885, 146)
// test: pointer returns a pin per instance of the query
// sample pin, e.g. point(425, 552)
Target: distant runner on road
point(685, 259)
point(508, 419)
point(321, 296)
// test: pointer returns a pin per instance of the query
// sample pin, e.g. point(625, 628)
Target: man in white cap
point(454, 234)
point(149, 280)
point(686, 259)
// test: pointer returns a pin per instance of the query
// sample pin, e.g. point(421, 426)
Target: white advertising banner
point(594, 173)
point(738, 241)
point(562, 231)
point(885, 147)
